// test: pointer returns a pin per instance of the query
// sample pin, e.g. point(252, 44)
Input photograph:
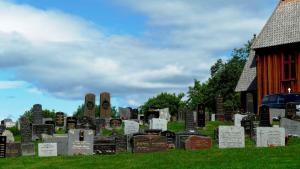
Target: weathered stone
point(2, 146)
point(37, 114)
point(105, 105)
point(292, 128)
point(47, 149)
point(105, 145)
point(71, 123)
point(62, 143)
point(149, 143)
point(198, 143)
point(80, 142)
point(60, 119)
point(39, 129)
point(89, 106)
point(9, 136)
point(13, 150)
point(270, 137)
point(27, 149)
point(201, 115)
point(115, 123)
point(231, 137)
point(160, 124)
point(125, 113)
point(25, 130)
point(131, 127)
point(238, 119)
point(171, 138)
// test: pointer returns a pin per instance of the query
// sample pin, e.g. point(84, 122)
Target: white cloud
point(68, 56)
point(11, 84)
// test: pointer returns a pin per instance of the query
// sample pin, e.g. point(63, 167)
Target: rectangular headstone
point(39, 129)
point(149, 143)
point(60, 119)
point(37, 114)
point(80, 142)
point(160, 124)
point(125, 113)
point(13, 150)
point(189, 121)
point(105, 145)
point(105, 105)
point(231, 137)
point(62, 143)
point(27, 149)
point(2, 146)
point(89, 106)
point(265, 117)
point(47, 149)
point(71, 123)
point(292, 128)
point(219, 104)
point(238, 119)
point(121, 143)
point(270, 137)
point(131, 127)
point(171, 138)
point(213, 117)
point(201, 115)
point(165, 114)
point(198, 143)
point(25, 130)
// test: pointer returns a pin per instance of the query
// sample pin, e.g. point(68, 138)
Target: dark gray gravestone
point(201, 115)
point(37, 114)
point(290, 111)
point(71, 123)
point(264, 114)
point(39, 129)
point(189, 121)
point(25, 130)
point(89, 106)
point(60, 119)
point(80, 142)
point(100, 124)
point(62, 143)
point(171, 138)
point(13, 150)
point(149, 143)
point(150, 114)
point(2, 129)
point(105, 145)
point(121, 143)
point(27, 149)
point(228, 114)
point(86, 123)
point(134, 113)
point(219, 105)
point(2, 146)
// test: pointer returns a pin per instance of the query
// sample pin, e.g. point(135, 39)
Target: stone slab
point(27, 149)
point(231, 137)
point(149, 143)
point(292, 127)
point(131, 127)
point(47, 149)
point(270, 136)
point(198, 143)
point(80, 142)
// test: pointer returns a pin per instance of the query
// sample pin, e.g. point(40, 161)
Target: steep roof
point(283, 27)
point(247, 81)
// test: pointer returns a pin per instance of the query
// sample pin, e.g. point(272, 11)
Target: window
point(289, 66)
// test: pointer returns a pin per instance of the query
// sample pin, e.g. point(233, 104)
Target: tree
point(165, 100)
point(46, 114)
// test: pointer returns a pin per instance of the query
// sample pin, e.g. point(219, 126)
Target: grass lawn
point(249, 157)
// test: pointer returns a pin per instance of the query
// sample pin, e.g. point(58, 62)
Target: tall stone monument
point(60, 119)
point(37, 114)
point(26, 130)
point(105, 105)
point(201, 115)
point(89, 106)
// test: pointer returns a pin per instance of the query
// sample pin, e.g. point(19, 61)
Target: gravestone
point(2, 146)
point(47, 120)
point(131, 127)
point(265, 118)
point(37, 114)
point(270, 137)
point(198, 143)
point(189, 121)
point(71, 123)
point(171, 138)
point(62, 143)
point(26, 130)
point(201, 115)
point(134, 113)
point(165, 114)
point(13, 150)
point(50, 123)
point(213, 117)
point(105, 145)
point(47, 149)
point(60, 119)
point(153, 131)
point(125, 113)
point(89, 106)
point(9, 136)
point(151, 113)
point(100, 124)
point(105, 105)
point(27, 149)
point(115, 123)
point(247, 123)
point(292, 128)
point(2, 129)
point(228, 114)
point(121, 143)
point(85, 123)
point(290, 111)
point(231, 137)
point(219, 104)
point(80, 142)
point(39, 129)
point(238, 119)
point(149, 143)
point(159, 124)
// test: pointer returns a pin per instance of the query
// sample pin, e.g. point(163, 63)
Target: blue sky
point(52, 52)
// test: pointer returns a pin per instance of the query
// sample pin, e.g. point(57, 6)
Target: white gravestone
point(9, 136)
point(231, 137)
point(47, 149)
point(131, 127)
point(213, 117)
point(292, 128)
point(237, 119)
point(270, 136)
point(160, 124)
point(165, 114)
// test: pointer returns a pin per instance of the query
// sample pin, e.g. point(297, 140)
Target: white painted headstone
point(231, 137)
point(237, 119)
point(160, 124)
point(9, 136)
point(131, 127)
point(292, 127)
point(47, 149)
point(213, 117)
point(270, 136)
point(165, 114)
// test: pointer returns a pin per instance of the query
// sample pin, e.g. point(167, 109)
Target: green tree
point(165, 100)
point(46, 114)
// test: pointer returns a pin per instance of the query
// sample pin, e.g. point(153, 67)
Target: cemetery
point(195, 136)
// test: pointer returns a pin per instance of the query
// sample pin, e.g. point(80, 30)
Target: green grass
point(249, 157)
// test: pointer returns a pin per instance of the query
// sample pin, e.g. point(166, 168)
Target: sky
point(53, 52)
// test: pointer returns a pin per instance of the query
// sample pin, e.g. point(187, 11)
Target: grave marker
point(60, 119)
point(149, 143)
point(89, 106)
point(171, 138)
point(270, 137)
point(2, 146)
point(47, 149)
point(26, 130)
point(62, 143)
point(27, 149)
point(238, 119)
point(231, 137)
point(292, 128)
point(125, 113)
point(265, 117)
point(105, 145)
point(198, 143)
point(121, 143)
point(131, 127)
point(13, 150)
point(105, 105)
point(39, 129)
point(37, 114)
point(189, 121)
point(201, 115)
point(115, 123)
point(80, 142)
point(71, 123)
point(159, 124)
